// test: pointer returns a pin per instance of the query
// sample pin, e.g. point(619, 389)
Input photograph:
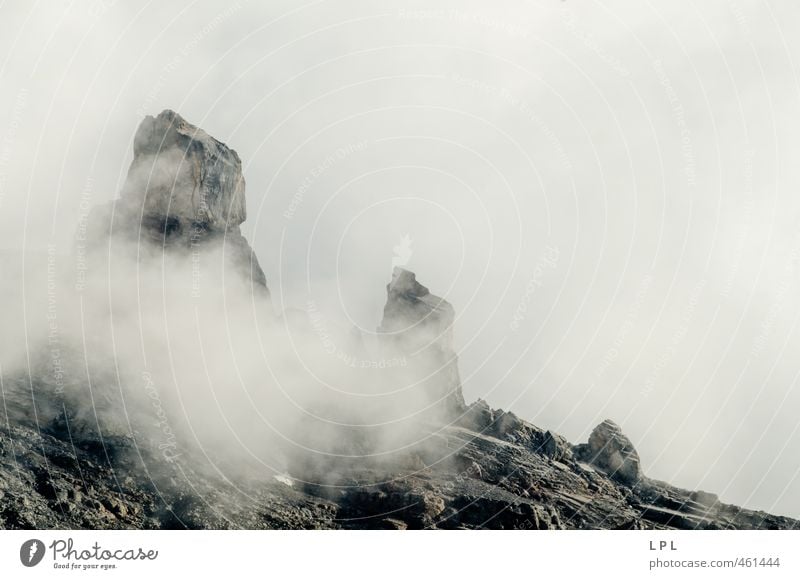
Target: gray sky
point(605, 191)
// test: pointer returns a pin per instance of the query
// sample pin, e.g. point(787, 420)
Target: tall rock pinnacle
point(181, 171)
point(420, 325)
point(184, 191)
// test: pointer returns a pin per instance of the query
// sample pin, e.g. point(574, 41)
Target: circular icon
point(31, 553)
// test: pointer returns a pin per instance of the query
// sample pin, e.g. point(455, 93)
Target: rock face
point(611, 451)
point(184, 192)
point(181, 172)
point(420, 325)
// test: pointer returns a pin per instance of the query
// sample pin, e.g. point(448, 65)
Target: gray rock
point(705, 499)
point(179, 171)
point(611, 451)
point(54, 478)
point(185, 194)
point(478, 416)
point(420, 325)
point(556, 446)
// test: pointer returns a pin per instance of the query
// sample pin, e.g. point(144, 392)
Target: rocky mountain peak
point(184, 192)
point(179, 170)
point(413, 312)
point(404, 283)
point(420, 325)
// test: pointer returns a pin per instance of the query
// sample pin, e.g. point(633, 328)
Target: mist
point(606, 193)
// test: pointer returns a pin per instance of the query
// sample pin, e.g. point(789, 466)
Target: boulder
point(612, 452)
point(478, 416)
point(705, 499)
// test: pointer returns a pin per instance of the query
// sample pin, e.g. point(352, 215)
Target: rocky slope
point(465, 467)
point(507, 475)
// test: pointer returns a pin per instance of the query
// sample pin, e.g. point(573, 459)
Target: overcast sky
point(607, 192)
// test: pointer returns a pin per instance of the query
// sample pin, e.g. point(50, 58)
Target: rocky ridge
point(507, 475)
point(472, 467)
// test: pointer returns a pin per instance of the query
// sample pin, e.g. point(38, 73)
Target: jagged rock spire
point(184, 191)
point(179, 170)
point(420, 324)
